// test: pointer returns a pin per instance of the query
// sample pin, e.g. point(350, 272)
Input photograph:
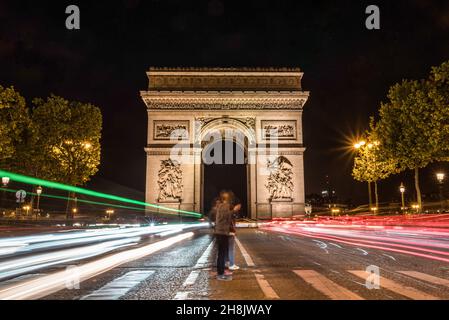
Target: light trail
point(424, 242)
point(30, 244)
point(106, 204)
point(55, 185)
point(24, 254)
point(45, 285)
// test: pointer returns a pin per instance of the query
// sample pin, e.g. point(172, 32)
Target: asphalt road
point(274, 265)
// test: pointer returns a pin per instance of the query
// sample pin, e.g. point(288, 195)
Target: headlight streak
point(51, 241)
point(110, 239)
point(23, 265)
point(45, 285)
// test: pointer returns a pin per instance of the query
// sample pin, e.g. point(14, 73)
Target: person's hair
point(231, 195)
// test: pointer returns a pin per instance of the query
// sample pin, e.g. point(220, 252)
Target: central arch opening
point(225, 174)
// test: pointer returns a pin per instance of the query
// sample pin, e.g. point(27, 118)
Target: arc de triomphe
point(187, 105)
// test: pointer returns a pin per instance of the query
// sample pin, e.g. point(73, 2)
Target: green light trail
point(45, 195)
point(55, 185)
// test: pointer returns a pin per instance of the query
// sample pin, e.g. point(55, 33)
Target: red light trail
point(425, 236)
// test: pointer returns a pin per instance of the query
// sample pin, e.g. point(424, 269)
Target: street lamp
point(109, 212)
point(5, 182)
point(38, 192)
point(402, 190)
point(440, 178)
point(27, 209)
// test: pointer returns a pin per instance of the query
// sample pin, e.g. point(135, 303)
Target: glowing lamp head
point(110, 211)
point(440, 177)
point(74, 210)
point(39, 190)
point(5, 181)
point(87, 145)
point(402, 188)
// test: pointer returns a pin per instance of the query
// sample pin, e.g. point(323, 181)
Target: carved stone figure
point(170, 129)
point(280, 180)
point(282, 130)
point(170, 181)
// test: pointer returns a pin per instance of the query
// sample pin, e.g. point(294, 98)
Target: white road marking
point(183, 295)
point(391, 257)
point(335, 245)
point(203, 260)
point(364, 252)
point(194, 274)
point(120, 286)
point(321, 245)
point(398, 288)
point(267, 289)
point(326, 286)
point(264, 285)
point(249, 261)
point(426, 277)
point(191, 279)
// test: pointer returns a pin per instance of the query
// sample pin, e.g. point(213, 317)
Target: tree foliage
point(58, 140)
point(14, 120)
point(414, 123)
point(70, 135)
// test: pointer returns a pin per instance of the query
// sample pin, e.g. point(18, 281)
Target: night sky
point(348, 68)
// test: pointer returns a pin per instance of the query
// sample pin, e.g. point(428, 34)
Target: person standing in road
point(223, 227)
point(230, 261)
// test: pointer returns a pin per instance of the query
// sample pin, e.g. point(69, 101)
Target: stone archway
point(234, 165)
point(264, 105)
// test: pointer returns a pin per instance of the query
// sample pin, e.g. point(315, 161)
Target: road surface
point(277, 262)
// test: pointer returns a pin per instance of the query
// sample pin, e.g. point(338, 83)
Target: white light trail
point(45, 285)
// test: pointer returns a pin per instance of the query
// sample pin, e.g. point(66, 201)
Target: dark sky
point(348, 69)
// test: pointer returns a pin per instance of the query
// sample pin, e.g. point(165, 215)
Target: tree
point(414, 123)
point(14, 120)
point(370, 166)
point(70, 135)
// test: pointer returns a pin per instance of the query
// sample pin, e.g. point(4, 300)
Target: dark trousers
point(223, 244)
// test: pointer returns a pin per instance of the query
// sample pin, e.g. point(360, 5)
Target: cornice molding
point(224, 100)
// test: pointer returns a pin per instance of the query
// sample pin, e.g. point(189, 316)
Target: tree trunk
point(418, 190)
point(370, 198)
point(376, 195)
point(68, 210)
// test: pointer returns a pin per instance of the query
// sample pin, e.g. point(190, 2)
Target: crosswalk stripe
point(203, 260)
point(396, 287)
point(426, 277)
point(120, 286)
point(183, 295)
point(326, 286)
point(193, 276)
point(249, 261)
point(191, 279)
point(265, 286)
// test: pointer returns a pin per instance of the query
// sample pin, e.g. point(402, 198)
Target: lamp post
point(27, 209)
point(38, 192)
point(109, 212)
point(5, 182)
point(402, 190)
point(440, 178)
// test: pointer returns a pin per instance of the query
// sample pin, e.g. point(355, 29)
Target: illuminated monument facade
point(189, 109)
